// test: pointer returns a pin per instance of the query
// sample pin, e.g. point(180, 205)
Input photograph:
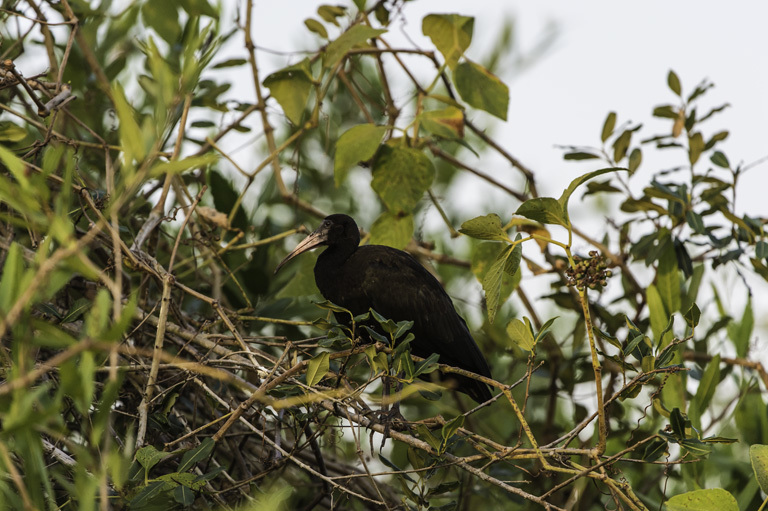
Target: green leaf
point(359, 143)
point(228, 63)
point(13, 269)
point(450, 33)
point(695, 147)
point(761, 249)
point(621, 145)
point(449, 429)
point(426, 435)
point(199, 453)
point(715, 499)
point(513, 261)
point(720, 160)
point(76, 310)
point(317, 368)
point(486, 227)
point(668, 279)
point(482, 89)
point(635, 159)
point(545, 210)
point(580, 155)
point(492, 282)
point(657, 312)
point(695, 222)
point(163, 17)
point(692, 316)
point(521, 334)
point(758, 455)
point(393, 230)
point(356, 35)
point(447, 122)
point(708, 384)
point(291, 86)
point(674, 82)
point(608, 126)
point(545, 329)
point(483, 257)
point(330, 12)
point(741, 332)
point(315, 26)
point(180, 166)
point(131, 140)
point(563, 200)
point(11, 133)
point(401, 175)
point(149, 456)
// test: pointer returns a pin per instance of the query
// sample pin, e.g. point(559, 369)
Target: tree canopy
point(150, 358)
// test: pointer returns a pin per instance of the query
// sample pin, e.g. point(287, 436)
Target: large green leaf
point(359, 143)
point(741, 332)
point(715, 499)
point(482, 89)
point(758, 455)
point(521, 334)
point(486, 227)
point(708, 384)
point(393, 230)
point(494, 277)
point(545, 210)
point(131, 139)
point(446, 123)
point(450, 33)
point(668, 279)
point(401, 175)
point(291, 86)
point(317, 368)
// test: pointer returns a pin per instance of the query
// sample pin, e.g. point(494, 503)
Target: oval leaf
point(291, 86)
point(486, 227)
point(401, 175)
point(392, 230)
point(715, 499)
point(317, 368)
point(359, 143)
point(758, 455)
point(482, 89)
point(450, 33)
point(545, 210)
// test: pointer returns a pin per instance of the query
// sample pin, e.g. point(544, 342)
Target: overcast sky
point(607, 56)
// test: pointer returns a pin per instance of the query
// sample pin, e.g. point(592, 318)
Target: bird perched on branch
point(395, 285)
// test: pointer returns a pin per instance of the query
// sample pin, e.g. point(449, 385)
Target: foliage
point(151, 360)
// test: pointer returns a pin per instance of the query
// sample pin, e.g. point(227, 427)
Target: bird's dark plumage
point(395, 285)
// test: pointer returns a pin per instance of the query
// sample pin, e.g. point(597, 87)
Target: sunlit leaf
point(317, 368)
point(715, 499)
point(486, 227)
point(291, 86)
point(401, 175)
point(481, 89)
point(450, 33)
point(359, 143)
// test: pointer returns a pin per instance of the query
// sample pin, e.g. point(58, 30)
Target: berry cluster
point(588, 272)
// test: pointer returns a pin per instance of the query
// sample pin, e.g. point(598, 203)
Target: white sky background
point(608, 56)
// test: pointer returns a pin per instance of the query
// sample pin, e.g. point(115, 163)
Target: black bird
point(395, 285)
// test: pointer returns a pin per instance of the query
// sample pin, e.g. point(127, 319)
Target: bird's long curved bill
point(313, 240)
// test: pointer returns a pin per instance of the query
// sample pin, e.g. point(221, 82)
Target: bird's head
point(335, 230)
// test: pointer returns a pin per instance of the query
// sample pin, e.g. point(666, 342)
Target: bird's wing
point(400, 288)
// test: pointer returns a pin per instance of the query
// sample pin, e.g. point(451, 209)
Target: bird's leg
point(392, 416)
